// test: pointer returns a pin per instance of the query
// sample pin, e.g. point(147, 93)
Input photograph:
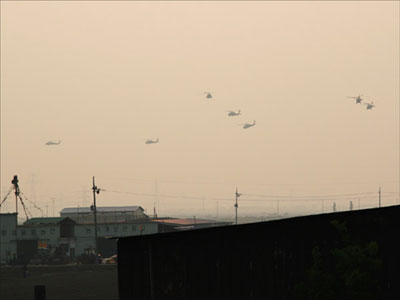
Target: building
point(178, 224)
point(46, 233)
point(104, 214)
point(108, 233)
point(71, 234)
point(8, 233)
point(73, 238)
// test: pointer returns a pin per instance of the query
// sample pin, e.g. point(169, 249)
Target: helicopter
point(248, 125)
point(208, 95)
point(231, 113)
point(50, 143)
point(369, 105)
point(358, 99)
point(151, 141)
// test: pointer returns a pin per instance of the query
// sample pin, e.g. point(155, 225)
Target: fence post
point(40, 292)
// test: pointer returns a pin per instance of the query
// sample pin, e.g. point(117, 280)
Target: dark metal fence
point(266, 260)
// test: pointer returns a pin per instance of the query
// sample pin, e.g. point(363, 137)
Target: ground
point(88, 282)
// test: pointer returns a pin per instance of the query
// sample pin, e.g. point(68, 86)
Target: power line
point(253, 184)
point(33, 204)
point(272, 197)
point(305, 200)
point(152, 195)
point(308, 197)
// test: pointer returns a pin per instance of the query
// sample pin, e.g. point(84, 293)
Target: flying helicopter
point(231, 113)
point(50, 143)
point(248, 125)
point(151, 141)
point(208, 95)
point(358, 99)
point(369, 105)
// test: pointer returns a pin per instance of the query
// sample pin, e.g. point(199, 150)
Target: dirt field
point(72, 282)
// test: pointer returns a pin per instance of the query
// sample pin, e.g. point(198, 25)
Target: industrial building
point(8, 231)
point(45, 233)
point(104, 214)
point(71, 234)
point(73, 238)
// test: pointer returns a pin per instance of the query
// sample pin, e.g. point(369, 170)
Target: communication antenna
point(96, 190)
point(16, 191)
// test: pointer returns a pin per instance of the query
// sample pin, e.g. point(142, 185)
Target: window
point(3, 232)
point(23, 232)
point(107, 228)
point(116, 228)
point(33, 231)
point(124, 228)
point(43, 232)
point(88, 230)
point(52, 230)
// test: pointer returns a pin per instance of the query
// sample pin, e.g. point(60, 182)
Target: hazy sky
point(103, 77)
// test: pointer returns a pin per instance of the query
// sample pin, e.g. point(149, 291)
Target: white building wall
point(47, 234)
point(8, 245)
point(84, 238)
point(84, 233)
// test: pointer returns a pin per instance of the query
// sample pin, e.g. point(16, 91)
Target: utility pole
point(52, 200)
point(237, 195)
point(155, 197)
point(379, 196)
point(277, 207)
point(95, 191)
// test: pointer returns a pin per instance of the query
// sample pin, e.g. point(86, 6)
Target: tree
point(350, 271)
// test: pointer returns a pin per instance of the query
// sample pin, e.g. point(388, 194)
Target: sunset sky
point(103, 77)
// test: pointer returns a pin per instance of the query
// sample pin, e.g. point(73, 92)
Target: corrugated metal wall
point(253, 261)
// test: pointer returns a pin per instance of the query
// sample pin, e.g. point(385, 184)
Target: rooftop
point(38, 221)
point(188, 221)
point(78, 210)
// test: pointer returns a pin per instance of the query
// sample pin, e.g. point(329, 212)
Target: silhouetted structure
point(266, 260)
